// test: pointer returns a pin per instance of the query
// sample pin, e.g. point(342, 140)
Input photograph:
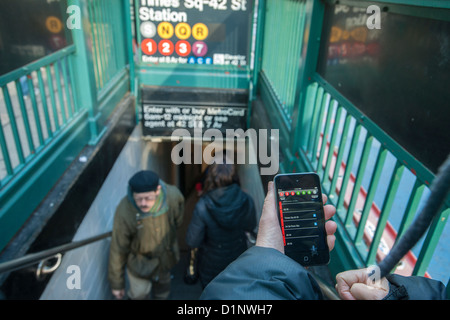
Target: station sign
point(161, 120)
point(192, 109)
point(210, 32)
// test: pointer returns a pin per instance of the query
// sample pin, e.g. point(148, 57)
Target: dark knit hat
point(144, 181)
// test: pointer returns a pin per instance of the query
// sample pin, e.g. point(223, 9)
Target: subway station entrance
point(97, 90)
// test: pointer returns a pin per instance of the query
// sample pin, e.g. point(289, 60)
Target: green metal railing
point(103, 58)
point(281, 52)
point(31, 121)
point(362, 168)
point(73, 91)
point(63, 104)
point(108, 48)
point(342, 138)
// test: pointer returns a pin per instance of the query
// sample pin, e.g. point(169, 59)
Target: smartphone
point(302, 218)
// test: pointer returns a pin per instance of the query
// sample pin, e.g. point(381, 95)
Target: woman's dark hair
point(220, 175)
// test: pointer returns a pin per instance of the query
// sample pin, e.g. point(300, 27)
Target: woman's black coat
point(219, 222)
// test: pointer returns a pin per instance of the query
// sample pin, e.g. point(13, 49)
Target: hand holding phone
point(298, 200)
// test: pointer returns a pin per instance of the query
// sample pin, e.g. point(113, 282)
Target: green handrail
point(326, 149)
point(34, 258)
point(72, 93)
point(39, 123)
point(323, 131)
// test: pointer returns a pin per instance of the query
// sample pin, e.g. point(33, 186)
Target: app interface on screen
point(301, 222)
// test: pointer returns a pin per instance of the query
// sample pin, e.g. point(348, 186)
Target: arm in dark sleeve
point(414, 288)
point(195, 233)
point(263, 274)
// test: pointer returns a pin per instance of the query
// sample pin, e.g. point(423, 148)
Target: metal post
point(314, 11)
point(134, 81)
point(86, 93)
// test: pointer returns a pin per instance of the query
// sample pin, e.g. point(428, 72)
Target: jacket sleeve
point(195, 233)
point(414, 288)
point(263, 274)
point(180, 208)
point(119, 251)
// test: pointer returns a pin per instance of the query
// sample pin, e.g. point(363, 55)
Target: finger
point(269, 200)
point(331, 240)
point(362, 291)
point(269, 209)
point(270, 189)
point(324, 198)
point(269, 231)
point(345, 294)
point(330, 227)
point(343, 288)
point(345, 280)
point(329, 211)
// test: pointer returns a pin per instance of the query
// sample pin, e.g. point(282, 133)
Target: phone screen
point(302, 219)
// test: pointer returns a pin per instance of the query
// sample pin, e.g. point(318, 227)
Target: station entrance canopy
point(193, 63)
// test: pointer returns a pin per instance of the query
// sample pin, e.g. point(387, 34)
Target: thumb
point(362, 291)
